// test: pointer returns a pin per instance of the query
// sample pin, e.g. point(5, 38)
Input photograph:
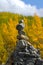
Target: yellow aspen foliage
point(9, 34)
point(26, 25)
point(41, 46)
point(1, 40)
point(38, 22)
point(30, 33)
point(33, 26)
point(4, 28)
point(12, 27)
point(34, 38)
point(12, 30)
point(41, 36)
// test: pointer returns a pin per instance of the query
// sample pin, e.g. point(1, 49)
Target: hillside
point(8, 32)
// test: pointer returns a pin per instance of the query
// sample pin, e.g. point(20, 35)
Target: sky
point(37, 3)
point(24, 7)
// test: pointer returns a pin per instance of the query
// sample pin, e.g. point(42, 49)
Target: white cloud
point(18, 6)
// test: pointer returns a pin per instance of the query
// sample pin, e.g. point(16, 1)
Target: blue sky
point(24, 7)
point(37, 3)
